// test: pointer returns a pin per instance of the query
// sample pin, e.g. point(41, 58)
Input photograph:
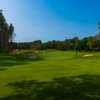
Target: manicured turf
point(59, 75)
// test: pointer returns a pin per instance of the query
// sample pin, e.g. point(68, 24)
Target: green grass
point(52, 75)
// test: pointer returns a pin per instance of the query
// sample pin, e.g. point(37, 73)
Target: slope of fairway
point(45, 66)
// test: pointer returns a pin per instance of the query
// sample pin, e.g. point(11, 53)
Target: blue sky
point(51, 19)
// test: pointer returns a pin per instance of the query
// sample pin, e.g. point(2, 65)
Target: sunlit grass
point(45, 66)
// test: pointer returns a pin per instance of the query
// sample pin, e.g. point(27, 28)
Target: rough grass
point(52, 75)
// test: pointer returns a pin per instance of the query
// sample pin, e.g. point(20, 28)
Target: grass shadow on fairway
point(2, 69)
point(84, 87)
point(13, 60)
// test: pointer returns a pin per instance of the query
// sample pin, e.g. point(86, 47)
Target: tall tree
point(6, 34)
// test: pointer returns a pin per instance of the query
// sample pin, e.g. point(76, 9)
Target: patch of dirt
point(30, 54)
point(88, 55)
point(32, 57)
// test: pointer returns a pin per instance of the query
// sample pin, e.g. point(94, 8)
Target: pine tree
point(6, 34)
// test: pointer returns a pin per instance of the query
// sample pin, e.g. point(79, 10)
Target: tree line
point(91, 43)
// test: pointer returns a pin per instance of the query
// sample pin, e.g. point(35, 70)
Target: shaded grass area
point(2, 69)
point(14, 60)
point(83, 87)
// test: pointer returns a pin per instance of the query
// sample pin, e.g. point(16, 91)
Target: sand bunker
point(88, 55)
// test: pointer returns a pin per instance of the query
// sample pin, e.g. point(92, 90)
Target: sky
point(51, 19)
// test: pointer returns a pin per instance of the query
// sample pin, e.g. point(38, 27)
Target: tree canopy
point(6, 34)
